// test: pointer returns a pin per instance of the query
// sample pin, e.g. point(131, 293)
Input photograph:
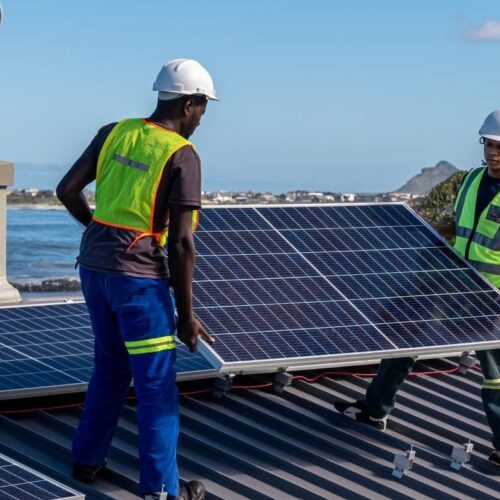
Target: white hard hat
point(184, 77)
point(491, 126)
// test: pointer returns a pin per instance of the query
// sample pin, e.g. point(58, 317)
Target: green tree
point(437, 206)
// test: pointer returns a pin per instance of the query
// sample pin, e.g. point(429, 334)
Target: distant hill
point(423, 182)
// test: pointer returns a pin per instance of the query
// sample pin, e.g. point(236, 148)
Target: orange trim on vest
point(196, 220)
point(153, 205)
point(153, 124)
point(156, 236)
point(140, 232)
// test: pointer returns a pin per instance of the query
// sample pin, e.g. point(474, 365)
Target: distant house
point(268, 198)
point(348, 197)
point(46, 193)
point(240, 198)
point(29, 192)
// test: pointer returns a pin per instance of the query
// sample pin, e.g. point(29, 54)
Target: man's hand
point(188, 332)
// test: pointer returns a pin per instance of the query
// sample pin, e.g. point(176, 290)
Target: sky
point(322, 95)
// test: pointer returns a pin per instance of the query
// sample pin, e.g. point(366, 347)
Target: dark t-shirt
point(104, 248)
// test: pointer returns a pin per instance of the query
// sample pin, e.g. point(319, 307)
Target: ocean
point(41, 244)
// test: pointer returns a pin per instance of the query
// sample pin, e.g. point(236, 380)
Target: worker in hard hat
point(148, 193)
point(477, 233)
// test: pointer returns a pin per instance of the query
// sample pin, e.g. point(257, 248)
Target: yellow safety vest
point(129, 170)
point(479, 244)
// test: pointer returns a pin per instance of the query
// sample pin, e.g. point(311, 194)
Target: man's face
point(492, 155)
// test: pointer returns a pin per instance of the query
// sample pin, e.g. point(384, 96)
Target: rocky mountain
point(429, 177)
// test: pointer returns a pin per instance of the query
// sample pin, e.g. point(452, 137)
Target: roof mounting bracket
point(403, 462)
point(222, 385)
point(465, 362)
point(282, 380)
point(461, 454)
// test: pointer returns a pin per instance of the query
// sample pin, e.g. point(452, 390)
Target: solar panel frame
point(344, 359)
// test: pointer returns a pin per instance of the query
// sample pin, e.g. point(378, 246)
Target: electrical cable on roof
point(250, 386)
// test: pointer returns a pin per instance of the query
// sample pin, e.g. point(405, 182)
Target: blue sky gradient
point(323, 95)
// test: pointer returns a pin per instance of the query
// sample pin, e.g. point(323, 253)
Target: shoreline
point(48, 285)
point(34, 206)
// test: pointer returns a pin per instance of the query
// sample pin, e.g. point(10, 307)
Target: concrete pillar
point(7, 292)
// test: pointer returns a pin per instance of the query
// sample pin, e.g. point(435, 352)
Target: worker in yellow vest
point(477, 231)
point(137, 246)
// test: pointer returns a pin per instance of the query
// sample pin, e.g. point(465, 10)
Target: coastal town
point(33, 196)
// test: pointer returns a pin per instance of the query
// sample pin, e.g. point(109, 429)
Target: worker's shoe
point(357, 411)
point(494, 458)
point(194, 490)
point(86, 473)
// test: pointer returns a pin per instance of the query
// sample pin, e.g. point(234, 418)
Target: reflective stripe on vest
point(493, 383)
point(484, 239)
point(129, 170)
point(147, 346)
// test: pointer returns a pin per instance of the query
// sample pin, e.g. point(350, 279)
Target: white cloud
point(489, 31)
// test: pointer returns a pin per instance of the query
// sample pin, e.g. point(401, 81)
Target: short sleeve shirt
point(106, 248)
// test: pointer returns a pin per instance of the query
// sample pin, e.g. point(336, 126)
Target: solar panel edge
point(56, 390)
point(342, 360)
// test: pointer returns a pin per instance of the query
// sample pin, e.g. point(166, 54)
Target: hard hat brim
point(491, 137)
point(209, 97)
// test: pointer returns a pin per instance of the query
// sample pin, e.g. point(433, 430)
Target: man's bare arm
point(70, 189)
point(181, 258)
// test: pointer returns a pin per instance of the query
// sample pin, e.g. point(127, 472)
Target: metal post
point(7, 292)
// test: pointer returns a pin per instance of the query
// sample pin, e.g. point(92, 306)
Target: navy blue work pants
point(133, 320)
point(381, 393)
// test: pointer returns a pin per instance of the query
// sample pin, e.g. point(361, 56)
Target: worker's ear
point(188, 106)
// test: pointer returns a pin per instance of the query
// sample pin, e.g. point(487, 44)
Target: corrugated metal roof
point(262, 445)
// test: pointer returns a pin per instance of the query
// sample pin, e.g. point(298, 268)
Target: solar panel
point(285, 286)
point(48, 349)
point(20, 482)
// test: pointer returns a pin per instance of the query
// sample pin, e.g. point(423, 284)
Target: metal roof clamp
point(461, 454)
point(282, 380)
point(222, 385)
point(403, 462)
point(466, 362)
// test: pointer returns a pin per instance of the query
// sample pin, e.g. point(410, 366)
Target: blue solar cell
point(263, 291)
point(299, 343)
point(385, 261)
point(441, 332)
point(242, 267)
point(225, 219)
point(241, 243)
point(348, 216)
point(360, 286)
